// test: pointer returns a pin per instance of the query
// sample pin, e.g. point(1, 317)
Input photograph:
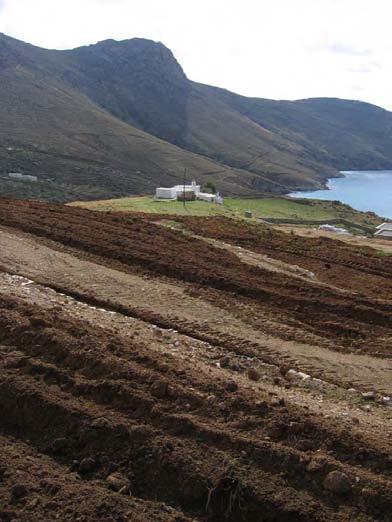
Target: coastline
point(366, 191)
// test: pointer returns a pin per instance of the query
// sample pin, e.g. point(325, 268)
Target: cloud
point(270, 48)
point(346, 48)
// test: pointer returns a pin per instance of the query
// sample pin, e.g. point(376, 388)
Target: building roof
point(384, 233)
point(385, 226)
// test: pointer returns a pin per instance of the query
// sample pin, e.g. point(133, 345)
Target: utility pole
point(183, 194)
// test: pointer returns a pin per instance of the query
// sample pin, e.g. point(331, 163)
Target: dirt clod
point(18, 491)
point(231, 386)
point(159, 389)
point(118, 482)
point(253, 374)
point(337, 482)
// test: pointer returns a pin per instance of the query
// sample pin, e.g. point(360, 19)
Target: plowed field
point(190, 369)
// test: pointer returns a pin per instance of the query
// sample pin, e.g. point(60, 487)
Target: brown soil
point(133, 348)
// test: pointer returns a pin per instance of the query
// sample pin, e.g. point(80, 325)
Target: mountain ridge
point(93, 102)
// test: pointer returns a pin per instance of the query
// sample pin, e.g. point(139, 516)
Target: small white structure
point(335, 230)
point(384, 230)
point(206, 196)
point(22, 177)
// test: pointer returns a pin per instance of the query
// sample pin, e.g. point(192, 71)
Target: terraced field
point(190, 369)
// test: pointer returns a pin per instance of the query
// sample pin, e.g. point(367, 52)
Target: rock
point(253, 374)
point(86, 465)
point(293, 375)
point(315, 383)
point(224, 362)
point(386, 401)
point(352, 390)
point(157, 332)
point(159, 389)
point(369, 396)
point(231, 386)
point(337, 482)
point(119, 482)
point(18, 491)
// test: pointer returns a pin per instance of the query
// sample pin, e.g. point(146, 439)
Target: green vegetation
point(278, 208)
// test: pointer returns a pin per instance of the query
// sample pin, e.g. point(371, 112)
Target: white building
point(178, 190)
point(22, 177)
point(384, 230)
point(172, 192)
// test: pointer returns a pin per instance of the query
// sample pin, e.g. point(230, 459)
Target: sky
point(279, 49)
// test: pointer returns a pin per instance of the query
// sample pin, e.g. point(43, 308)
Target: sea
point(369, 190)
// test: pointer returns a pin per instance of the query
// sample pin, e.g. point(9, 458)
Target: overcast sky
point(282, 49)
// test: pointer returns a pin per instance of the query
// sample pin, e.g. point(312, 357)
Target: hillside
point(76, 148)
point(190, 369)
point(119, 118)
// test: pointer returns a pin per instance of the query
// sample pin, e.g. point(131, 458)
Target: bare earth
point(177, 380)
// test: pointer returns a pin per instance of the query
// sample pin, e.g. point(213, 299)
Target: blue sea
point(369, 190)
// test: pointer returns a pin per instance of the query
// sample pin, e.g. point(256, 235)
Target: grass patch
point(282, 208)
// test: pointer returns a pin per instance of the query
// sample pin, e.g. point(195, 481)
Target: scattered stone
point(369, 396)
point(231, 386)
point(18, 491)
point(355, 420)
point(86, 465)
point(386, 401)
point(337, 482)
point(253, 374)
point(351, 390)
point(119, 482)
point(159, 389)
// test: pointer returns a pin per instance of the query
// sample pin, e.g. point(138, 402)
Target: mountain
point(118, 118)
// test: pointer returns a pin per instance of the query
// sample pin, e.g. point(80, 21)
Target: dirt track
point(169, 365)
